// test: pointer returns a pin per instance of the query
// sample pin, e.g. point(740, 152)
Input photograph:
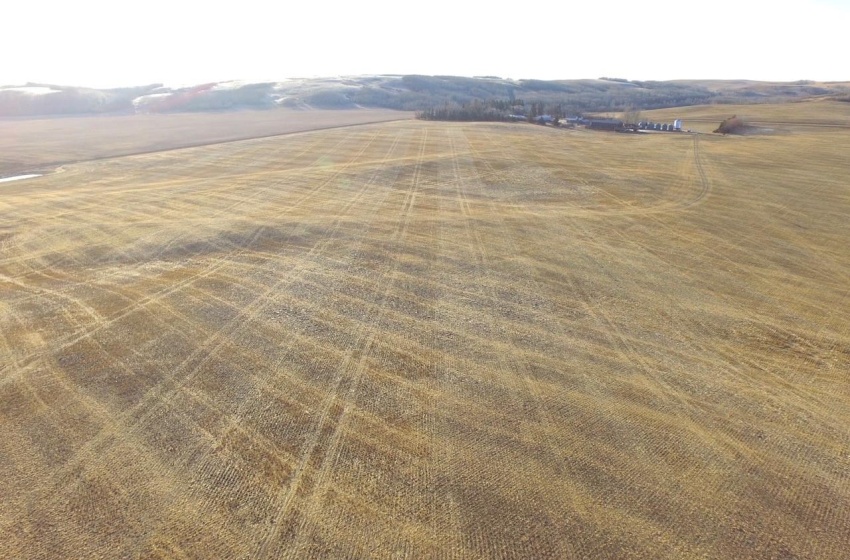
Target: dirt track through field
point(425, 340)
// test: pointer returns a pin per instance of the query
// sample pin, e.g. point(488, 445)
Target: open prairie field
point(431, 340)
point(778, 117)
point(40, 144)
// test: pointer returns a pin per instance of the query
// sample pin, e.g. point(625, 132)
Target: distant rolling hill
point(404, 92)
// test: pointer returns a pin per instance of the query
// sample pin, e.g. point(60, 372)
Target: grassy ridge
point(406, 92)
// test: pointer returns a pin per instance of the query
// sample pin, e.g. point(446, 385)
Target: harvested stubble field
point(805, 115)
point(35, 145)
point(431, 340)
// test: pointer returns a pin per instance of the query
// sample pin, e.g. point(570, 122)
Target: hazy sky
point(113, 43)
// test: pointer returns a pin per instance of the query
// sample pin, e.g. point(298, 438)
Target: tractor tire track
point(284, 503)
point(513, 367)
point(101, 323)
point(160, 394)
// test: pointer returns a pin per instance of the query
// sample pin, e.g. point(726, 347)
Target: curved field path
point(430, 340)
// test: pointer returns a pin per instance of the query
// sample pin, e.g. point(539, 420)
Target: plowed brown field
point(431, 340)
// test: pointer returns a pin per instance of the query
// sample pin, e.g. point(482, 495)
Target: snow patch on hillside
point(32, 90)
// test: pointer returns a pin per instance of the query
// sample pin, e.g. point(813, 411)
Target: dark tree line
point(494, 110)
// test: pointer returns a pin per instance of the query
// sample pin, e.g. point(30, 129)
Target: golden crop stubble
point(423, 339)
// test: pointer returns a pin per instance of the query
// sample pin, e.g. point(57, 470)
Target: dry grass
point(40, 144)
point(802, 116)
point(431, 340)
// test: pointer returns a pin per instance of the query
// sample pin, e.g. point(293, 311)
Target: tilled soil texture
point(431, 340)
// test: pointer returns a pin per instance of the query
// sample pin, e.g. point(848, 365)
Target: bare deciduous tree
point(631, 115)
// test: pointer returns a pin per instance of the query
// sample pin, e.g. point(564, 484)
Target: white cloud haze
point(102, 44)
